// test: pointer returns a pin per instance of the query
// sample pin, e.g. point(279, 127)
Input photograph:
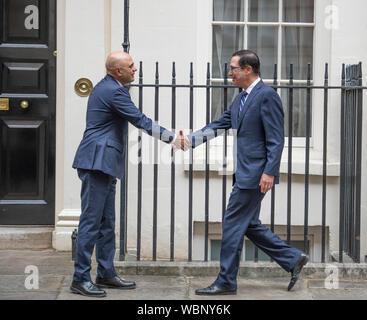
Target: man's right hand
point(181, 142)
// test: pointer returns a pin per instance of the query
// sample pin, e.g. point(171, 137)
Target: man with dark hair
point(248, 58)
point(257, 116)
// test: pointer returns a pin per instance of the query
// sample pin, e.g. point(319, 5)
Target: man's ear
point(249, 69)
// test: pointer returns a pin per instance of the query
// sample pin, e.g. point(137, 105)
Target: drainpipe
point(124, 180)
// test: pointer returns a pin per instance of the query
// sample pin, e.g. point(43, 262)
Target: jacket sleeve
point(125, 108)
point(272, 116)
point(211, 130)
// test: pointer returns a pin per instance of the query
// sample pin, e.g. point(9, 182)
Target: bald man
point(99, 160)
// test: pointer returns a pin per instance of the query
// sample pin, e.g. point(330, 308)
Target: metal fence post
point(124, 180)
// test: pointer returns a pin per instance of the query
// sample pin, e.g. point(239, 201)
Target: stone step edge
point(350, 271)
point(27, 238)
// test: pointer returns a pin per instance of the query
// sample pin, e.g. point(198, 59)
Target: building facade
point(57, 43)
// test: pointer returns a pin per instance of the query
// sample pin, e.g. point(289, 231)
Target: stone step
point(20, 238)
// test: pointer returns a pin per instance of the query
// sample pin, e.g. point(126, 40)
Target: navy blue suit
point(260, 140)
point(100, 160)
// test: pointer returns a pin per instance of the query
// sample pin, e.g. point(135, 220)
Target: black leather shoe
point(87, 288)
point(115, 283)
point(296, 272)
point(214, 290)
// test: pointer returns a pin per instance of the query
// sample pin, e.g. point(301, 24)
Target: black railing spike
point(353, 76)
point(354, 72)
point(360, 70)
point(347, 73)
point(191, 70)
point(225, 73)
point(208, 71)
point(326, 77)
point(141, 70)
point(173, 70)
point(275, 76)
point(156, 71)
point(291, 73)
point(351, 73)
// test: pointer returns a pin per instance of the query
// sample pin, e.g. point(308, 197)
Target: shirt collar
point(249, 89)
point(115, 80)
point(118, 82)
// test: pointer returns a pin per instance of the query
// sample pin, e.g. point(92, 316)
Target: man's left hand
point(266, 182)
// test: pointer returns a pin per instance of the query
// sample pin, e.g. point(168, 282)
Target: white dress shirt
point(249, 89)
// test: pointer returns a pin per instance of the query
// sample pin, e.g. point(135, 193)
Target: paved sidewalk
point(56, 269)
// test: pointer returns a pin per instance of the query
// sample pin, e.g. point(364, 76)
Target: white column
point(84, 40)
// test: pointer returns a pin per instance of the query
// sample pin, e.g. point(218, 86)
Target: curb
point(350, 271)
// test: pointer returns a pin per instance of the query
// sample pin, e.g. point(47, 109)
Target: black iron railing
point(350, 160)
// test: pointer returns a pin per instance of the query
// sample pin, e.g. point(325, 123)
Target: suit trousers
point(96, 225)
point(242, 218)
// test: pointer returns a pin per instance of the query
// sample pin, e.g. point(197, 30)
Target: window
point(280, 31)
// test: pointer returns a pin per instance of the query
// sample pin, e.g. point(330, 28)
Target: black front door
point(27, 112)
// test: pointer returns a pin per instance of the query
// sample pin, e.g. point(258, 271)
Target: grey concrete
point(23, 238)
point(175, 280)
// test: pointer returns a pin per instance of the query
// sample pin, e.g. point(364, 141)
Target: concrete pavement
point(55, 271)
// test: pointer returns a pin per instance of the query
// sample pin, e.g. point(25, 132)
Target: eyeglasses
point(231, 68)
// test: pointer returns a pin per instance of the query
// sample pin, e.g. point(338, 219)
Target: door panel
point(22, 154)
point(27, 128)
point(25, 21)
point(24, 77)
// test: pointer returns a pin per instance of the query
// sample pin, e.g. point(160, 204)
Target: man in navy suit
point(257, 116)
point(99, 161)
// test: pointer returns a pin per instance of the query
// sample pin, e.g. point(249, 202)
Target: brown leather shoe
point(115, 283)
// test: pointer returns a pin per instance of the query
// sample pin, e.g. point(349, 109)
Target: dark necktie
point(242, 103)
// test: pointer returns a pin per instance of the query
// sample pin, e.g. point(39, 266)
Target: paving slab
point(56, 269)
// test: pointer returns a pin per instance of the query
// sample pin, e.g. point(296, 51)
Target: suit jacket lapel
point(252, 95)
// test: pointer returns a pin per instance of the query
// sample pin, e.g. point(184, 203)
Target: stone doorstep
point(348, 271)
point(20, 238)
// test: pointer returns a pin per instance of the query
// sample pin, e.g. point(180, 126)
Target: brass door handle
point(24, 104)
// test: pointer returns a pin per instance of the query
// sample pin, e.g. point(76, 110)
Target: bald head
point(120, 65)
point(115, 60)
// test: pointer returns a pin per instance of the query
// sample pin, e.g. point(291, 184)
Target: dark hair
point(248, 58)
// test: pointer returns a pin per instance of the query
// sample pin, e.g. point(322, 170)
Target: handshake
point(181, 143)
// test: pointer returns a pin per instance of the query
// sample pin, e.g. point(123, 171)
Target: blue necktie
point(242, 102)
